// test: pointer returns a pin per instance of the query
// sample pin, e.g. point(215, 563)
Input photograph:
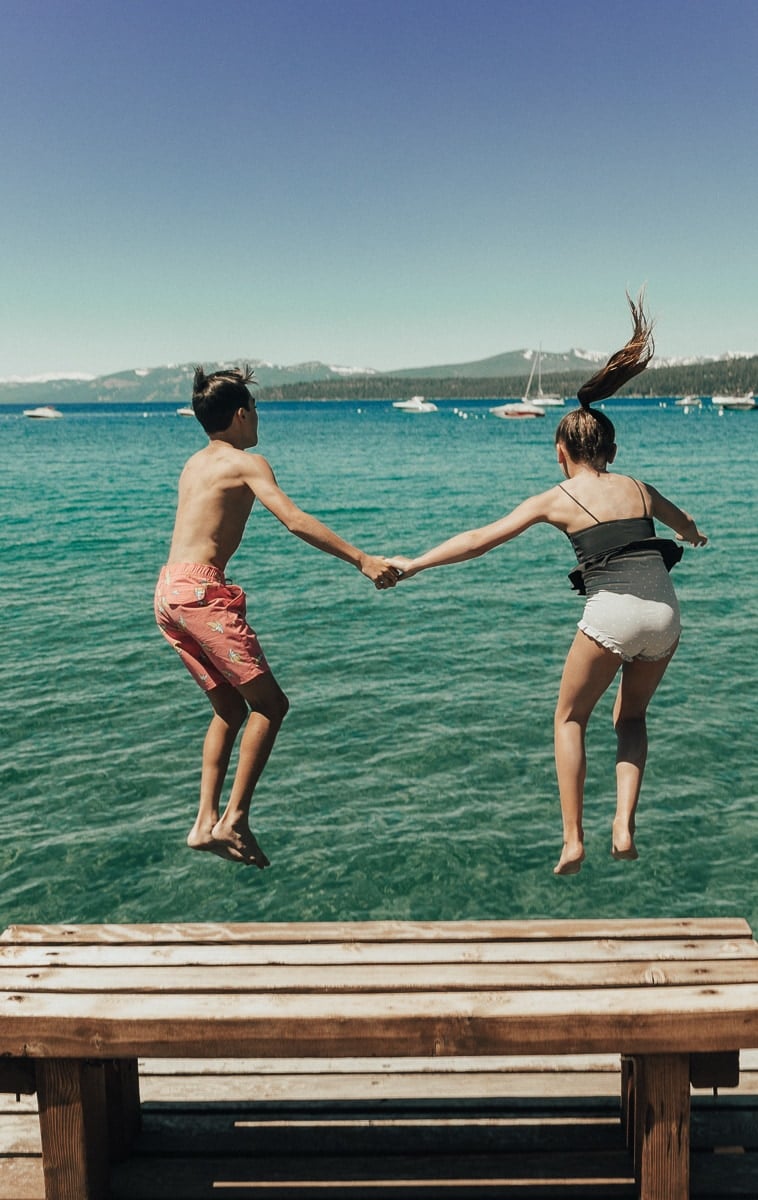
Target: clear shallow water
point(413, 777)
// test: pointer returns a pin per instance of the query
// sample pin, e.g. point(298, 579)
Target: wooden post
point(627, 1100)
point(73, 1127)
point(662, 1126)
point(123, 1105)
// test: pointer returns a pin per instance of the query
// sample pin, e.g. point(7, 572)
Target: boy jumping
point(203, 617)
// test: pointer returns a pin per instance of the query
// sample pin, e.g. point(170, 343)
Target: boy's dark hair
point(216, 397)
point(588, 435)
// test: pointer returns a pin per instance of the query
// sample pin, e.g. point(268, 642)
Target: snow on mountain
point(353, 370)
point(699, 361)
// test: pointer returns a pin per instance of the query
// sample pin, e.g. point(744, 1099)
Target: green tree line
point(734, 375)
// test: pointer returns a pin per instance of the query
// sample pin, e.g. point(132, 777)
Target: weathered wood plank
point(365, 954)
point(471, 1064)
point(22, 1179)
point(393, 931)
point(358, 979)
point(624, 1020)
point(369, 1087)
point(19, 1134)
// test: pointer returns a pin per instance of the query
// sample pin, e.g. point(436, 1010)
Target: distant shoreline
point(174, 385)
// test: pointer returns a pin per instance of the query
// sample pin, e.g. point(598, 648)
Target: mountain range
point(559, 370)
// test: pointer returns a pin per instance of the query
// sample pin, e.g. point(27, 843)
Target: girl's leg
point(638, 683)
point(229, 712)
point(268, 708)
point(588, 672)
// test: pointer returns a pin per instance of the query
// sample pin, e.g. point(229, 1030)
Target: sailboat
point(545, 399)
point(523, 407)
point(736, 403)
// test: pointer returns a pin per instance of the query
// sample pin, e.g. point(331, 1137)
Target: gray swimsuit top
point(611, 548)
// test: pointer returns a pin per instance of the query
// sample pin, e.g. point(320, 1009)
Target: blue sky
point(379, 183)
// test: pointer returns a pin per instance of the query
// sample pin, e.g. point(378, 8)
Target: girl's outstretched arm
point(676, 518)
point(472, 543)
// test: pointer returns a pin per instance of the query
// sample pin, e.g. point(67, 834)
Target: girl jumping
point(631, 615)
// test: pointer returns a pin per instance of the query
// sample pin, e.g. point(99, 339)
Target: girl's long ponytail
point(626, 363)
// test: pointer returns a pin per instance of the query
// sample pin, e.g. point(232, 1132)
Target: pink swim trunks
point(203, 618)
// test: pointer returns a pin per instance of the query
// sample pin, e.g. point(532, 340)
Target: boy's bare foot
point(199, 838)
point(570, 862)
point(240, 842)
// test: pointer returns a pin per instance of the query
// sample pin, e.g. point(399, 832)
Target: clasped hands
point(389, 571)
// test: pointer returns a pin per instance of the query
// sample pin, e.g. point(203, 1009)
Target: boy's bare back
point(216, 497)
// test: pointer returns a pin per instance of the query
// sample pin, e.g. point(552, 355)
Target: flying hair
point(625, 363)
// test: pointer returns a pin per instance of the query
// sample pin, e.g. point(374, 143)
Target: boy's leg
point(268, 708)
point(229, 712)
point(639, 681)
point(588, 672)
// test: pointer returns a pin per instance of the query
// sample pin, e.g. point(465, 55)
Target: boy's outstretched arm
point(311, 530)
point(472, 543)
point(676, 518)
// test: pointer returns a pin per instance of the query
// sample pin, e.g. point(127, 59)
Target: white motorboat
point(689, 401)
point(185, 411)
point(45, 412)
point(736, 403)
point(523, 407)
point(416, 404)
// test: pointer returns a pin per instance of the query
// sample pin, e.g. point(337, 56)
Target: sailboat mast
point(531, 377)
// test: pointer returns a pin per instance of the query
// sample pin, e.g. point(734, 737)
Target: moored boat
point(520, 408)
point(416, 404)
point(517, 409)
point(736, 403)
point(545, 399)
point(45, 412)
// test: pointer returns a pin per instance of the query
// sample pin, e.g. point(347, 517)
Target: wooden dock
point(404, 1129)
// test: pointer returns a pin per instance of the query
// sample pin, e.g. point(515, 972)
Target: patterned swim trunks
point(203, 618)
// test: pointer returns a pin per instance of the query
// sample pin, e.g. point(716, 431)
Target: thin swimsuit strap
point(590, 514)
point(642, 496)
point(584, 506)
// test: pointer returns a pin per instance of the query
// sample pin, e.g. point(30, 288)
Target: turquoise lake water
point(413, 777)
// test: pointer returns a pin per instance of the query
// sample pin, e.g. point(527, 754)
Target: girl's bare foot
point(622, 842)
point(240, 842)
point(570, 862)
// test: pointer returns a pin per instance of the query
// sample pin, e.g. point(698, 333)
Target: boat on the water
point(416, 404)
point(690, 401)
point(518, 409)
point(45, 412)
point(736, 403)
point(544, 399)
point(186, 410)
